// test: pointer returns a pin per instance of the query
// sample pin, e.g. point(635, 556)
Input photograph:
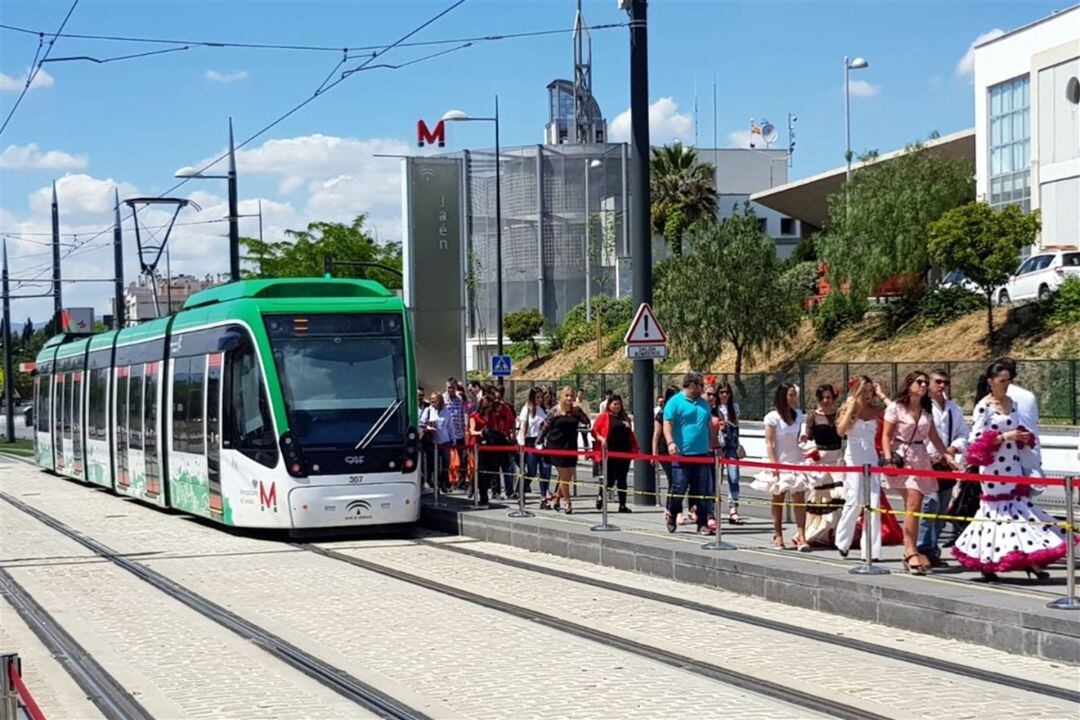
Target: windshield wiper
point(378, 426)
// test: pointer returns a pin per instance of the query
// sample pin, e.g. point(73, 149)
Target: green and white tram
point(261, 403)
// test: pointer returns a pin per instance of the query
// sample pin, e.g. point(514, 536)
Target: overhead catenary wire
point(32, 73)
point(321, 90)
point(306, 48)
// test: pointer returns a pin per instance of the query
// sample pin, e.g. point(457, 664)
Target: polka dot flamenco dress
point(1006, 533)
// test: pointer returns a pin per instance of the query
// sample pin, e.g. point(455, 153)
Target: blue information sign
point(500, 366)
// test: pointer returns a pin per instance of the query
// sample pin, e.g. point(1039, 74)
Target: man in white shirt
point(1027, 407)
point(952, 428)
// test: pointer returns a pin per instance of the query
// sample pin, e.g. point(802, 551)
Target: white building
point(1027, 123)
point(139, 303)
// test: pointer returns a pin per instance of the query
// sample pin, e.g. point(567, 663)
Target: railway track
point(359, 692)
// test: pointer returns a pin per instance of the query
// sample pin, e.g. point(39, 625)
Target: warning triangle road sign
point(644, 330)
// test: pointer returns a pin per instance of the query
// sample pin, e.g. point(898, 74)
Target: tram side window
point(69, 388)
point(195, 429)
point(76, 411)
point(247, 424)
point(150, 414)
point(181, 371)
point(99, 396)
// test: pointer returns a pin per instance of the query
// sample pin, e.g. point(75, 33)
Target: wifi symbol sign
point(427, 174)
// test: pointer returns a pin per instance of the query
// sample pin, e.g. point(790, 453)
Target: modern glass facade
point(1010, 143)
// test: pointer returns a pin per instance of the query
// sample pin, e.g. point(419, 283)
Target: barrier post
point(1070, 601)
point(718, 543)
point(868, 568)
point(9, 695)
point(435, 475)
point(521, 512)
point(604, 525)
point(473, 451)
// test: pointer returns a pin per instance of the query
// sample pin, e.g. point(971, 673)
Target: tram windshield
point(339, 376)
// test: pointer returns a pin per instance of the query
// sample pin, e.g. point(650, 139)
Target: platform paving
point(950, 603)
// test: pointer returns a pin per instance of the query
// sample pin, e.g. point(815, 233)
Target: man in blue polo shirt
point(686, 430)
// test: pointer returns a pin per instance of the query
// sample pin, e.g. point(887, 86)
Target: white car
point(1039, 276)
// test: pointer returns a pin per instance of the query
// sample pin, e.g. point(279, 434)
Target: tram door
point(150, 429)
point(76, 422)
point(213, 431)
point(58, 422)
point(123, 476)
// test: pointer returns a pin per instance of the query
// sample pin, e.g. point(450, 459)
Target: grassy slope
point(962, 339)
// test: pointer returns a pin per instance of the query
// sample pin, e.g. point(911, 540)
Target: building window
point(1010, 143)
point(787, 226)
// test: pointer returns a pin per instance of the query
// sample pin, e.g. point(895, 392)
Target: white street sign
point(646, 352)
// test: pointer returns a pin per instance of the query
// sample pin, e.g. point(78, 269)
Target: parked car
point(955, 278)
point(1040, 275)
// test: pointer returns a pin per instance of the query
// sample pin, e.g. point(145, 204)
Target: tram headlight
point(294, 461)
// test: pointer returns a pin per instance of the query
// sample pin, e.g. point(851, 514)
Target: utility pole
point(234, 214)
point(118, 265)
point(640, 236)
point(58, 300)
point(9, 375)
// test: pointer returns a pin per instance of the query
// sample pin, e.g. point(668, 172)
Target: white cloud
point(740, 139)
point(30, 157)
point(666, 124)
point(966, 66)
point(15, 83)
point(861, 88)
point(80, 195)
point(225, 77)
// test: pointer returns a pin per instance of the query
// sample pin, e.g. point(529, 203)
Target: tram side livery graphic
point(261, 403)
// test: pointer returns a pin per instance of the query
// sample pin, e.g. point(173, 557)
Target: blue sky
point(133, 123)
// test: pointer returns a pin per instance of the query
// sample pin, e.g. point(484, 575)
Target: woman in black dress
point(560, 432)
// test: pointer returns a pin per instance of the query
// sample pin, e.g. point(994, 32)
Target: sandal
point(778, 542)
point(734, 519)
point(919, 569)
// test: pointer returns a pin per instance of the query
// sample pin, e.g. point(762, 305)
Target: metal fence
point(1056, 384)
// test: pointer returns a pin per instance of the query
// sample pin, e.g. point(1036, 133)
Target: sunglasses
point(709, 394)
point(921, 382)
point(939, 381)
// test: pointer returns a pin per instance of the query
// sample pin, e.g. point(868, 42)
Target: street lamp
point(849, 65)
point(588, 261)
point(461, 116)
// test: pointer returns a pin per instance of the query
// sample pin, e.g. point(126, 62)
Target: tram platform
point(1011, 615)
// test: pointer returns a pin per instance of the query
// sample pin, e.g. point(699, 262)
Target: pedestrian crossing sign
point(501, 366)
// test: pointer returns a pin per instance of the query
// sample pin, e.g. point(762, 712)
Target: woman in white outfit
point(783, 427)
point(858, 422)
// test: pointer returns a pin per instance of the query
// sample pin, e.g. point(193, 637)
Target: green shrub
point(615, 314)
point(1065, 303)
point(520, 351)
point(942, 305)
point(836, 312)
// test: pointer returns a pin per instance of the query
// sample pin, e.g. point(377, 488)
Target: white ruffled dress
point(788, 452)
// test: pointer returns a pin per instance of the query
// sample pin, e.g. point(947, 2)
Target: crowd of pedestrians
point(919, 428)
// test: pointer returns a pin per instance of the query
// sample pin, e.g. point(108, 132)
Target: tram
point(261, 403)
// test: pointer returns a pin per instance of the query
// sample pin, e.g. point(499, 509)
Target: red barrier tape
point(838, 469)
point(32, 708)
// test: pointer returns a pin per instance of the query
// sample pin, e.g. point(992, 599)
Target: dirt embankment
point(962, 339)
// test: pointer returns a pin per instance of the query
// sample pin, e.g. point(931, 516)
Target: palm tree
point(683, 192)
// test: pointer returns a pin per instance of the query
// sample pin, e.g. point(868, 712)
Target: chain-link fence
point(1056, 384)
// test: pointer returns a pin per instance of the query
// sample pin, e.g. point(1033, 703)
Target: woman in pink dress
point(909, 425)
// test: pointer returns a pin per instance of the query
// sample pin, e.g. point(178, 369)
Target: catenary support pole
point(641, 237)
point(498, 236)
point(9, 376)
point(58, 298)
point(234, 214)
point(118, 265)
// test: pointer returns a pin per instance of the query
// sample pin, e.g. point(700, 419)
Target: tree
point(682, 192)
point(878, 223)
point(984, 244)
point(524, 325)
point(27, 331)
point(730, 288)
point(302, 254)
